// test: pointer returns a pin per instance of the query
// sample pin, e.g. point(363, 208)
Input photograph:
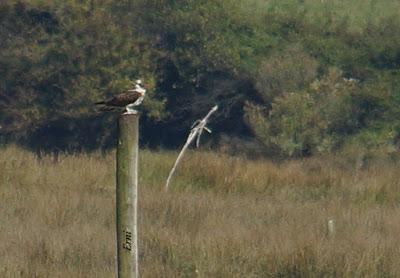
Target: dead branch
point(197, 130)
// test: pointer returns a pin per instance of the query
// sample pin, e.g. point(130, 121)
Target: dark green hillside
point(298, 77)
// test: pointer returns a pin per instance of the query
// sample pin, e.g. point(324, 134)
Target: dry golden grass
point(224, 217)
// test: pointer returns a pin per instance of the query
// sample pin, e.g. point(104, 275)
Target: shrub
point(285, 71)
point(317, 119)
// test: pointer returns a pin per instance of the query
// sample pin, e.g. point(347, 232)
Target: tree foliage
point(315, 119)
point(298, 76)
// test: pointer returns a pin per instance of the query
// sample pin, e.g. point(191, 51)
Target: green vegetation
point(223, 216)
point(313, 80)
point(298, 77)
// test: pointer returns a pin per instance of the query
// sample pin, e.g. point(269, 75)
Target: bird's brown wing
point(123, 99)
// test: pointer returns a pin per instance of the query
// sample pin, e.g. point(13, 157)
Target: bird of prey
point(128, 99)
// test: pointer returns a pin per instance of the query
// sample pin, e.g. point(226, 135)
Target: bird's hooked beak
point(136, 82)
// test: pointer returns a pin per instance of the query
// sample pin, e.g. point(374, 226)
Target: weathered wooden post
point(127, 195)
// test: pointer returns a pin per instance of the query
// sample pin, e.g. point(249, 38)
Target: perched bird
point(128, 99)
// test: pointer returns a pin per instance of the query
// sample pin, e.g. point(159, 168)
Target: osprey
point(128, 99)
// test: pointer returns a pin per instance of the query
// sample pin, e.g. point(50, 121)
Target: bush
point(315, 120)
point(58, 58)
point(56, 62)
point(285, 71)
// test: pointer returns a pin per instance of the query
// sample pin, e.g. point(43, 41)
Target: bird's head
point(138, 86)
point(136, 83)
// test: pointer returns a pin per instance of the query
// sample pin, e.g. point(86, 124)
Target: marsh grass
point(223, 217)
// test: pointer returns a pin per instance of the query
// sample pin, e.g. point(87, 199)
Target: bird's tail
point(103, 109)
point(100, 102)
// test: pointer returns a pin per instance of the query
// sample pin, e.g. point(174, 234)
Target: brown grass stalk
point(225, 217)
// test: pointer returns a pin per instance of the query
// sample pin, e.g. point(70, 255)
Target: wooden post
point(127, 193)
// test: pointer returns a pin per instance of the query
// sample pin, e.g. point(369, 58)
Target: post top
point(129, 114)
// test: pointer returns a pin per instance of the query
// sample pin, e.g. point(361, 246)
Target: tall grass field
point(223, 216)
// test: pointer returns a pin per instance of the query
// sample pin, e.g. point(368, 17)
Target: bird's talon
point(130, 112)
